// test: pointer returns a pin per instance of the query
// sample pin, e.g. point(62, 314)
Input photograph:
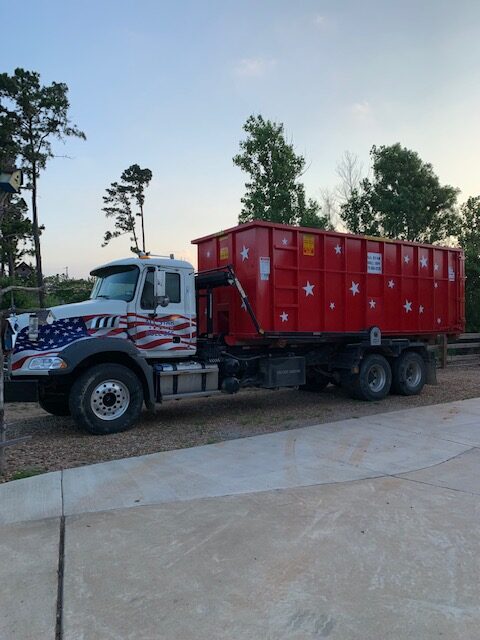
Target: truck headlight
point(46, 363)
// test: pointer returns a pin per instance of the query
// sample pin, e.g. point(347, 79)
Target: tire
point(315, 381)
point(409, 373)
point(107, 398)
point(373, 380)
point(55, 405)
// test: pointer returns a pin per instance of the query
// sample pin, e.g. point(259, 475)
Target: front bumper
point(21, 390)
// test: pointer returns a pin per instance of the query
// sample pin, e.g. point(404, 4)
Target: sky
point(169, 85)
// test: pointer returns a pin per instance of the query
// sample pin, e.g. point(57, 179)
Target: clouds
point(361, 110)
point(254, 67)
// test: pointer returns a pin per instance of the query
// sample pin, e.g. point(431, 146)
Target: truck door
point(165, 321)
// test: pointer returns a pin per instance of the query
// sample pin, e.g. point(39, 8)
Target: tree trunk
point(4, 200)
point(134, 235)
point(143, 228)
point(11, 264)
point(36, 238)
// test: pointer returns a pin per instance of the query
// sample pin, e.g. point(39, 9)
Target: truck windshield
point(115, 283)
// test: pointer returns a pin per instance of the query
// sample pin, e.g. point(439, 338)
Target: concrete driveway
point(361, 529)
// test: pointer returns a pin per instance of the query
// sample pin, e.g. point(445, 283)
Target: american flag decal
point(106, 326)
point(52, 338)
point(173, 332)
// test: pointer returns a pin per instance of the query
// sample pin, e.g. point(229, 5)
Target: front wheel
point(107, 398)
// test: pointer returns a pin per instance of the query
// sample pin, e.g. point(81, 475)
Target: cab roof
point(150, 261)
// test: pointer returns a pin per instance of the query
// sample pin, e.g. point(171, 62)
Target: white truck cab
point(133, 342)
point(147, 301)
point(150, 301)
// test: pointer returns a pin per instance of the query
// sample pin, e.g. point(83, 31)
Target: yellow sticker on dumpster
point(223, 253)
point(308, 245)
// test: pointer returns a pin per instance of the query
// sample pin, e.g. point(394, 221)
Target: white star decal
point(244, 253)
point(332, 306)
point(436, 267)
point(372, 304)
point(208, 254)
point(421, 308)
point(355, 288)
point(423, 262)
point(308, 288)
point(284, 317)
point(407, 306)
point(338, 249)
point(391, 284)
point(439, 320)
point(406, 259)
point(284, 242)
point(435, 285)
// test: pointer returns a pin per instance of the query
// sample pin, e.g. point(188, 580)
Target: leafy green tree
point(469, 238)
point(36, 115)
point(15, 232)
point(404, 199)
point(137, 180)
point(8, 146)
point(121, 201)
point(63, 290)
point(274, 192)
point(8, 155)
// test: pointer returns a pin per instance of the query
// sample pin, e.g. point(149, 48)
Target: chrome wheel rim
point(413, 374)
point(110, 399)
point(376, 377)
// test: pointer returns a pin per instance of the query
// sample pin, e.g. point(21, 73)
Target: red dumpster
point(310, 281)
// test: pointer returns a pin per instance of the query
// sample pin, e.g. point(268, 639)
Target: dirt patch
point(57, 443)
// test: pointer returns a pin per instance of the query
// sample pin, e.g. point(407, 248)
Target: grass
point(26, 473)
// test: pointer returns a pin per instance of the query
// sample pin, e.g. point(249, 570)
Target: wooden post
point(3, 426)
point(444, 348)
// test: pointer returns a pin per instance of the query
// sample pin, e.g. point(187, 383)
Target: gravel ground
point(57, 443)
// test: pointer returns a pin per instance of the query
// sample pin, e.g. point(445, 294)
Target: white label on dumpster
point(374, 262)
point(264, 268)
point(451, 274)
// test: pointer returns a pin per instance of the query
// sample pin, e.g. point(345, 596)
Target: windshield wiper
point(103, 296)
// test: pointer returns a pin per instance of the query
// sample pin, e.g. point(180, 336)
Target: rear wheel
point(107, 398)
point(409, 374)
point(373, 380)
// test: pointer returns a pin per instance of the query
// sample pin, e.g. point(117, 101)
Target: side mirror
point(161, 298)
point(162, 301)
